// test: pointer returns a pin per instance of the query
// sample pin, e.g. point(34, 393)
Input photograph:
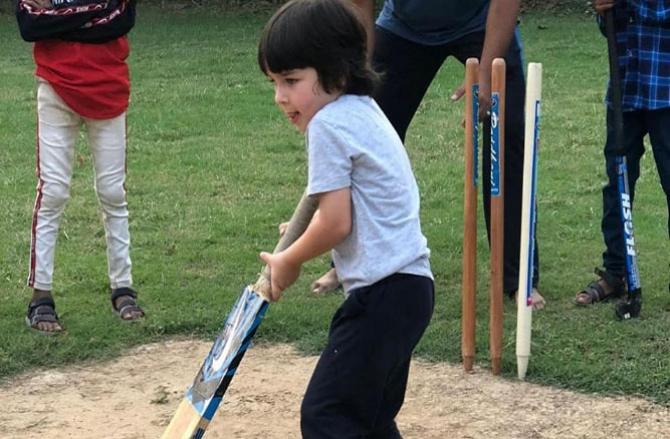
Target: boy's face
point(299, 94)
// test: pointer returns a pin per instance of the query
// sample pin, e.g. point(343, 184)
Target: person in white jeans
point(58, 130)
point(83, 80)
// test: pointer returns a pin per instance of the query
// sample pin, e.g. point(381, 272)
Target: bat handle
point(298, 223)
point(615, 81)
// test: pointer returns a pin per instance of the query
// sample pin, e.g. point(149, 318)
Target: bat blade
point(206, 393)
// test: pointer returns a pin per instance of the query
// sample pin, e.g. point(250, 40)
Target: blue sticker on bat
point(632, 271)
point(475, 134)
point(533, 207)
point(495, 144)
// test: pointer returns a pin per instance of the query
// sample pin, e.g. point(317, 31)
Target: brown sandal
point(596, 291)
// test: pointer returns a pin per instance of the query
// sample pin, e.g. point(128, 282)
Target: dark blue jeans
point(358, 385)
point(408, 70)
point(636, 124)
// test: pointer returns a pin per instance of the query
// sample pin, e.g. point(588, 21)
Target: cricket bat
point(528, 218)
point(202, 399)
point(631, 305)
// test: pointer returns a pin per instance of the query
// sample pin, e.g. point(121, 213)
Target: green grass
point(214, 167)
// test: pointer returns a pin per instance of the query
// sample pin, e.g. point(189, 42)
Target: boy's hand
point(603, 5)
point(282, 273)
point(282, 228)
point(38, 4)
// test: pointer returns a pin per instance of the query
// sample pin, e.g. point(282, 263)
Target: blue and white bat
point(206, 393)
point(631, 305)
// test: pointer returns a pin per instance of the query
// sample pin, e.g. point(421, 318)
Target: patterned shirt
point(643, 47)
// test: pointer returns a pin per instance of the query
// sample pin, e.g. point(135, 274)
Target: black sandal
point(42, 311)
point(126, 306)
point(594, 291)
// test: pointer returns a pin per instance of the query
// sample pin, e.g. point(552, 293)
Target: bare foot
point(49, 327)
point(326, 283)
point(536, 298)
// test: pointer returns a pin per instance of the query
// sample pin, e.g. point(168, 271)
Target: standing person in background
point(643, 48)
point(80, 52)
point(411, 41)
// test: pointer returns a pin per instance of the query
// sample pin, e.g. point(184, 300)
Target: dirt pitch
point(135, 396)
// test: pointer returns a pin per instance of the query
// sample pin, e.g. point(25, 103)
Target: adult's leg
point(633, 134)
point(358, 385)
point(408, 69)
point(658, 126)
point(107, 140)
point(58, 127)
point(515, 93)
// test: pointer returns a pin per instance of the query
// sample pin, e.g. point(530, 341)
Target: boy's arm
point(78, 20)
point(40, 19)
point(39, 4)
point(330, 226)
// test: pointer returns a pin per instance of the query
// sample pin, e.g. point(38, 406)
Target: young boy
point(314, 51)
point(643, 47)
point(80, 52)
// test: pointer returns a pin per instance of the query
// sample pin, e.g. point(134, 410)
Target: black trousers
point(359, 382)
point(636, 124)
point(408, 70)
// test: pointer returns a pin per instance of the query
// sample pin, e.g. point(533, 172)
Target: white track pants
point(58, 129)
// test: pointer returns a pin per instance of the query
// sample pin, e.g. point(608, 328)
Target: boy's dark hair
point(326, 35)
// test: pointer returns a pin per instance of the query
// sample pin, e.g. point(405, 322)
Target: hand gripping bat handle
point(615, 81)
point(299, 221)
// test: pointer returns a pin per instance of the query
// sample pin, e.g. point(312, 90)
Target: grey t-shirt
point(350, 143)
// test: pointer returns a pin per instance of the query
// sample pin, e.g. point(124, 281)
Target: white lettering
point(628, 224)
